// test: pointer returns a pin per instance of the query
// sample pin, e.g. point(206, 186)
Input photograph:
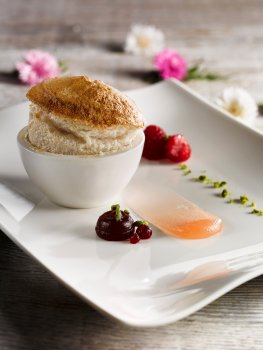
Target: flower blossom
point(239, 103)
point(171, 64)
point(37, 66)
point(144, 40)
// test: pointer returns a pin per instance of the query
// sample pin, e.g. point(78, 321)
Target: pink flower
point(171, 64)
point(38, 65)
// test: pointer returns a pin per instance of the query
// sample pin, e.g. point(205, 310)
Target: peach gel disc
point(171, 213)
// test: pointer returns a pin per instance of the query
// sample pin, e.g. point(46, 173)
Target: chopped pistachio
point(224, 193)
point(188, 172)
point(243, 199)
point(140, 222)
point(126, 211)
point(183, 167)
point(202, 178)
point(255, 211)
point(118, 213)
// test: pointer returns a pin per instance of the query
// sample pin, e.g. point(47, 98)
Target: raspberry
point(144, 232)
point(134, 239)
point(154, 146)
point(177, 148)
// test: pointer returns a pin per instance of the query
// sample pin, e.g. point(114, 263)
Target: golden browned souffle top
point(87, 101)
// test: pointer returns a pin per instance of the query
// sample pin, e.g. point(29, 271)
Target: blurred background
point(226, 36)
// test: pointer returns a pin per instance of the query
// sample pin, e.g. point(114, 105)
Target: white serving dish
point(80, 181)
point(164, 279)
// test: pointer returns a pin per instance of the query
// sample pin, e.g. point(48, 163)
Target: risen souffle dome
point(80, 116)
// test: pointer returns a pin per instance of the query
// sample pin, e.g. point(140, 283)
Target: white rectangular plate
point(164, 279)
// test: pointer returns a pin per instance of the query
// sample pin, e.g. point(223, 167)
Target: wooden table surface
point(36, 311)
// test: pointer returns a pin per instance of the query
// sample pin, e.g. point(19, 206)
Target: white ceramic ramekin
point(79, 181)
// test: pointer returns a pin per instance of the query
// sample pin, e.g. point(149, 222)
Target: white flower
point(144, 40)
point(239, 103)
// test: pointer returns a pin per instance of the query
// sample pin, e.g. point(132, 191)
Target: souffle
point(80, 116)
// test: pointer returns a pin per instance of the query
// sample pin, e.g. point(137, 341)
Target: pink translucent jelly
point(172, 213)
